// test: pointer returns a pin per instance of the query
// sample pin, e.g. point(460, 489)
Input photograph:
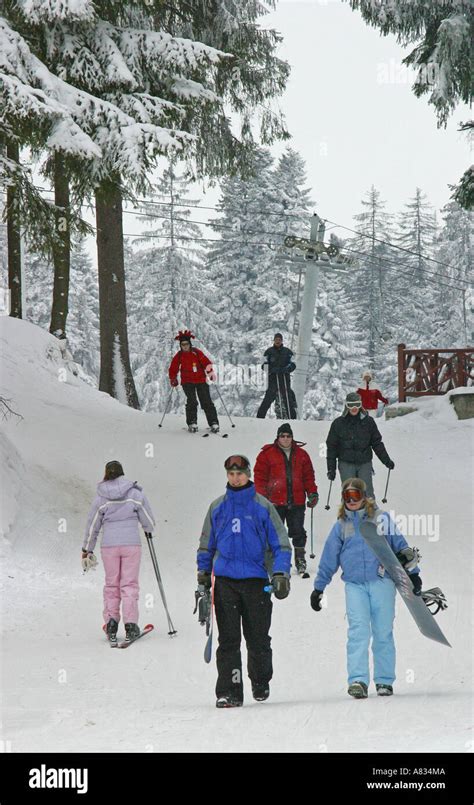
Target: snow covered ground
point(64, 689)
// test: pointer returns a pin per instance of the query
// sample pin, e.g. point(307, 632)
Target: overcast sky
point(353, 116)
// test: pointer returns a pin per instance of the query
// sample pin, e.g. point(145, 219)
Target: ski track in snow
point(65, 689)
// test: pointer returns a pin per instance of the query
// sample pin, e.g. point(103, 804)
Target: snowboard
point(420, 613)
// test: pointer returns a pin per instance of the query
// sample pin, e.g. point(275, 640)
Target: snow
point(72, 693)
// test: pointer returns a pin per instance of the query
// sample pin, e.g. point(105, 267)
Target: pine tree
point(83, 336)
point(253, 295)
point(454, 325)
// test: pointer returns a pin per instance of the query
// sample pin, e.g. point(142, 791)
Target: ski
point(419, 611)
point(146, 630)
point(303, 574)
point(210, 433)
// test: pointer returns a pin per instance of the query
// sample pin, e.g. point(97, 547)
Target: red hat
point(184, 335)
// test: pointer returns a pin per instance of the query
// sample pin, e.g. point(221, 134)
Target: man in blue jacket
point(243, 541)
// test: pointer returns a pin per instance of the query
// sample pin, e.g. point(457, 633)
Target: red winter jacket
point(370, 397)
point(283, 481)
point(191, 364)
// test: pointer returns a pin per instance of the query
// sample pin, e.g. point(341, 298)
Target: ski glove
point(313, 499)
point(316, 598)
point(290, 368)
point(281, 585)
point(416, 581)
point(211, 373)
point(332, 475)
point(174, 381)
point(390, 465)
point(204, 578)
point(89, 561)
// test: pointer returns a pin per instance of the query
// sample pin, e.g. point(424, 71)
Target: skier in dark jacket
point(195, 369)
point(278, 359)
point(284, 474)
point(242, 534)
point(350, 441)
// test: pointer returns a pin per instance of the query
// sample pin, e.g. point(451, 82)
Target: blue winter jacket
point(243, 537)
point(346, 547)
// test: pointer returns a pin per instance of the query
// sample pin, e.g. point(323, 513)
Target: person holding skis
point(370, 396)
point(279, 363)
point(370, 592)
point(284, 474)
point(120, 505)
point(243, 541)
point(195, 369)
point(350, 442)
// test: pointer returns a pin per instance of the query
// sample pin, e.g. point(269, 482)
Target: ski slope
point(64, 689)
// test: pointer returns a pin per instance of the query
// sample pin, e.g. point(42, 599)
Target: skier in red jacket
point(284, 474)
point(195, 368)
point(370, 397)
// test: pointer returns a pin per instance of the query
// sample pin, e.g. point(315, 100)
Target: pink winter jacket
point(118, 507)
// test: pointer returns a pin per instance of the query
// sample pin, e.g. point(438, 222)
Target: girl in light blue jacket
point(370, 592)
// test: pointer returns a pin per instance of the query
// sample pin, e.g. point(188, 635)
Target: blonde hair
point(369, 503)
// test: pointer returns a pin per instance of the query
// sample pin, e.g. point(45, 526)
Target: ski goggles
point(352, 495)
point(237, 463)
point(350, 405)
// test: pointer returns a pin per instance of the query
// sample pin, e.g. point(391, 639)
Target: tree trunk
point(61, 250)
point(14, 241)
point(115, 372)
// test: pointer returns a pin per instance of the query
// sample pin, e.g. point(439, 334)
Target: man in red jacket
point(195, 368)
point(370, 396)
point(284, 474)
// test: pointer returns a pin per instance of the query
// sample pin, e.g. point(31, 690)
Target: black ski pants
point(242, 603)
point(293, 516)
point(279, 386)
point(202, 390)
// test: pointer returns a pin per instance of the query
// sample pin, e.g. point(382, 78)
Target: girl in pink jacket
point(118, 508)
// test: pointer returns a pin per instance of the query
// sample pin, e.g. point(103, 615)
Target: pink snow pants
point(121, 564)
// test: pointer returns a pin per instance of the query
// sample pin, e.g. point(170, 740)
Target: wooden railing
point(428, 372)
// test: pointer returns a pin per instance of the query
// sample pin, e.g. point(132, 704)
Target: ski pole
point(311, 556)
point(384, 499)
point(149, 538)
point(279, 395)
point(223, 403)
point(167, 406)
point(327, 506)
point(286, 393)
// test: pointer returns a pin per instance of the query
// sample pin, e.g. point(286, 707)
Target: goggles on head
point(236, 463)
point(352, 495)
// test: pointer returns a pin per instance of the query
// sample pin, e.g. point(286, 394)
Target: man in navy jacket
point(243, 541)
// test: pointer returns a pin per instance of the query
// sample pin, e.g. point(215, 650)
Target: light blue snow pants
point(370, 608)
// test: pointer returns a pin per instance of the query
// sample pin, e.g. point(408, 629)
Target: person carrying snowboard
point(120, 505)
point(370, 396)
point(370, 592)
point(278, 359)
point(243, 541)
point(195, 369)
point(284, 474)
point(350, 442)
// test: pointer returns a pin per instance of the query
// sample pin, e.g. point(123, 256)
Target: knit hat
point(367, 375)
point(285, 428)
point(184, 335)
point(353, 398)
point(278, 335)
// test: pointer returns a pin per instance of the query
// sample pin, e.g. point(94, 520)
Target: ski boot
point(111, 630)
point(214, 428)
point(228, 701)
point(260, 692)
point(132, 631)
point(358, 690)
point(384, 690)
point(193, 428)
point(300, 562)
